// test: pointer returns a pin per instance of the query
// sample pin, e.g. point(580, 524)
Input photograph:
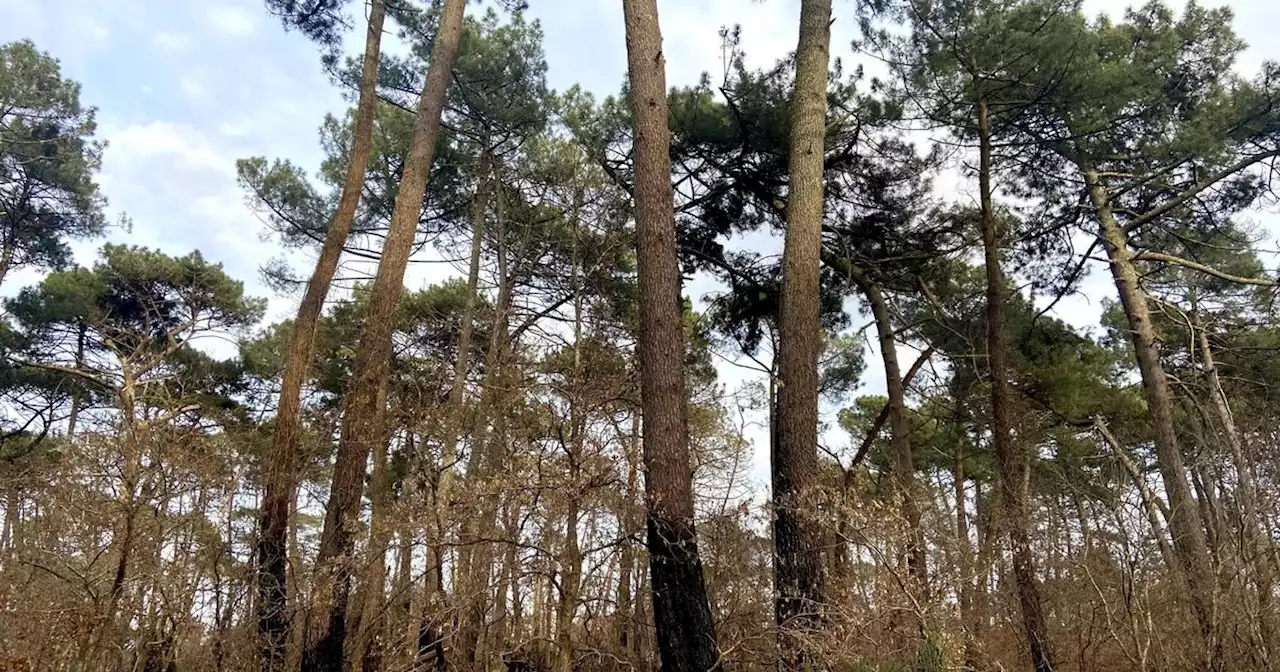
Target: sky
point(183, 88)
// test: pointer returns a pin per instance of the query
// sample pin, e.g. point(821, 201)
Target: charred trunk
point(682, 614)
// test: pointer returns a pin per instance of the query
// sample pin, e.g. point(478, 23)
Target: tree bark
point(571, 559)
point(6, 256)
point(1258, 546)
point(508, 612)
point(682, 615)
point(964, 565)
point(900, 428)
point(1150, 501)
point(362, 415)
point(475, 556)
point(77, 396)
point(12, 504)
point(279, 489)
point(797, 536)
point(1189, 541)
point(1011, 456)
point(628, 524)
point(966, 560)
point(457, 392)
point(570, 576)
point(371, 621)
point(404, 626)
point(453, 425)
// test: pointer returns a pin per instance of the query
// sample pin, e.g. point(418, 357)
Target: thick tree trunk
point(797, 535)
point(1189, 541)
point(362, 415)
point(278, 490)
point(682, 615)
point(1011, 456)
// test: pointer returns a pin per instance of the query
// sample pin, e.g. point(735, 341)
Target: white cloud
point(232, 21)
point(179, 187)
point(90, 28)
point(234, 129)
point(192, 87)
point(167, 41)
point(161, 140)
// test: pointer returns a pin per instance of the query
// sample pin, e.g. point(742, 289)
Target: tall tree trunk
point(453, 424)
point(900, 427)
point(797, 536)
point(429, 633)
point(7, 249)
point(77, 396)
point(405, 507)
point(12, 504)
point(1207, 497)
point(362, 416)
point(1189, 541)
point(984, 515)
point(1011, 456)
point(371, 621)
point(279, 489)
point(297, 586)
point(628, 524)
point(538, 607)
point(570, 576)
point(571, 559)
point(641, 615)
point(125, 536)
point(964, 566)
point(1151, 503)
point(1258, 547)
point(682, 615)
point(475, 557)
point(508, 615)
point(966, 562)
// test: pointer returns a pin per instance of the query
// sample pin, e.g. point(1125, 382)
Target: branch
point(878, 424)
point(1196, 266)
point(87, 375)
point(189, 408)
point(1191, 193)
